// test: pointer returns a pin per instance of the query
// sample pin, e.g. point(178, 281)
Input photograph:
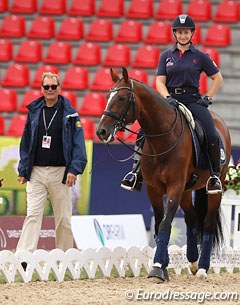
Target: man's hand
point(71, 179)
point(22, 180)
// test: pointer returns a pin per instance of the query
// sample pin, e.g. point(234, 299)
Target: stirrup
point(213, 191)
point(133, 176)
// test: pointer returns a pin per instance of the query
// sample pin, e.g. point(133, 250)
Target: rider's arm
point(161, 85)
point(217, 80)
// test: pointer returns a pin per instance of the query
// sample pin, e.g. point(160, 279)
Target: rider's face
point(183, 35)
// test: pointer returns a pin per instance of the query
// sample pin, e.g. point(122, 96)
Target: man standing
point(52, 154)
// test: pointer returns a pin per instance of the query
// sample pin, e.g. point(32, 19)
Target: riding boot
point(134, 181)
point(214, 185)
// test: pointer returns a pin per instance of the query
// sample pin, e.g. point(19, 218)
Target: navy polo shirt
point(185, 69)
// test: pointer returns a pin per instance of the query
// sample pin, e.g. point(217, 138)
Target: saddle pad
point(201, 160)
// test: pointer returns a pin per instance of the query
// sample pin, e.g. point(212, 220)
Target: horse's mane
point(153, 92)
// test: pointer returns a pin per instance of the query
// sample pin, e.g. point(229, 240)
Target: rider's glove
point(172, 101)
point(205, 101)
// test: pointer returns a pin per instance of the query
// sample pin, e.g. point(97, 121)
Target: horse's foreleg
point(192, 232)
point(161, 258)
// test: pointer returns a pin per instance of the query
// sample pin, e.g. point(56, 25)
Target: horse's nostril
point(101, 133)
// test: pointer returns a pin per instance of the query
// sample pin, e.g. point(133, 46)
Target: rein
point(121, 119)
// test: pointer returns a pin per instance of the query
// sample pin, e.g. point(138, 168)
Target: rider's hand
point(204, 101)
point(172, 101)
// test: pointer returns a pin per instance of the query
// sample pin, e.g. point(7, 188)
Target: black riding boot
point(133, 180)
point(214, 185)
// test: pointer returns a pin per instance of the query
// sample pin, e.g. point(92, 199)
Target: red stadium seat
point(6, 49)
point(71, 29)
point(218, 35)
point(42, 27)
point(142, 9)
point(76, 78)
point(93, 104)
point(59, 53)
point(139, 75)
point(88, 54)
point(82, 8)
point(109, 8)
point(37, 81)
point(102, 80)
point(203, 84)
point(214, 54)
point(13, 26)
point(16, 75)
point(147, 56)
point(28, 97)
point(24, 6)
point(117, 55)
point(169, 9)
point(71, 97)
point(200, 10)
point(16, 125)
point(129, 31)
point(3, 5)
point(100, 30)
point(53, 7)
point(227, 11)
point(2, 125)
point(132, 136)
point(8, 98)
point(88, 128)
point(29, 51)
point(197, 37)
point(159, 32)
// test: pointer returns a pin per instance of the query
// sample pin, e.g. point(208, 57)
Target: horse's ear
point(114, 76)
point(125, 74)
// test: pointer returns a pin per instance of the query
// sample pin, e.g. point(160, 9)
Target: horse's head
point(120, 110)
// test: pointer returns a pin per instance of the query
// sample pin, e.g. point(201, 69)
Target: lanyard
point(44, 120)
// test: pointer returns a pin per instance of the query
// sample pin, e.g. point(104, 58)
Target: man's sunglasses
point(47, 87)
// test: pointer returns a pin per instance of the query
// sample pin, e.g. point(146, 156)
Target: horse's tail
point(201, 204)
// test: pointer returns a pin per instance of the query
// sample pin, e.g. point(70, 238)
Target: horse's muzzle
point(104, 136)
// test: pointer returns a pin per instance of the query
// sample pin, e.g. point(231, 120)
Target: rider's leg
point(214, 186)
point(133, 180)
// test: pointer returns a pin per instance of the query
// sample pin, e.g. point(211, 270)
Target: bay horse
point(167, 164)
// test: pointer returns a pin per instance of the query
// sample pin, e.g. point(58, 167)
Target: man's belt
point(181, 90)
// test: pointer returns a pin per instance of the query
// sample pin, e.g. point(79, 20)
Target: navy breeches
point(199, 112)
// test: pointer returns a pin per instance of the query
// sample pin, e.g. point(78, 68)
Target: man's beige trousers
point(44, 182)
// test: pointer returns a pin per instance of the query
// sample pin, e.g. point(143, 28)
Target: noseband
point(120, 124)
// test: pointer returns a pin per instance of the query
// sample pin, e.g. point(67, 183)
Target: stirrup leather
point(213, 192)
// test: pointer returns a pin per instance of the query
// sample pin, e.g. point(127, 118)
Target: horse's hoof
point(193, 267)
point(201, 274)
point(159, 273)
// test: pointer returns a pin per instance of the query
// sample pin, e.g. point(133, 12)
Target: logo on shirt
point(169, 61)
point(78, 124)
point(195, 61)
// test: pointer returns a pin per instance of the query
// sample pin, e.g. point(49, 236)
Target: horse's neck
point(155, 116)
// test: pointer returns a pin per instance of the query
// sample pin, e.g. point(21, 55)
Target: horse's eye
point(122, 98)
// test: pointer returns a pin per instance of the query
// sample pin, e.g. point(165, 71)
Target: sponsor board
point(111, 231)
point(11, 229)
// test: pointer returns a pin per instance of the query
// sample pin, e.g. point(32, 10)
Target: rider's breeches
point(201, 113)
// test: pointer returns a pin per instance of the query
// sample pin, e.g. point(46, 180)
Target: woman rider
point(178, 76)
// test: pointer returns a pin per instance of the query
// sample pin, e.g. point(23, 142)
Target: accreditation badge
point(46, 142)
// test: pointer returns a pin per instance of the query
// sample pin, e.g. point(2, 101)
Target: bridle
point(120, 124)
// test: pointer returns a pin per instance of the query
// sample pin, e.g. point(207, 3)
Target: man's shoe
point(214, 185)
point(133, 184)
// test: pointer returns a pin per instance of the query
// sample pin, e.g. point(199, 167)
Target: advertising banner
point(109, 231)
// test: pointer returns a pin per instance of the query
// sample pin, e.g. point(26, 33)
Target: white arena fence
point(75, 262)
